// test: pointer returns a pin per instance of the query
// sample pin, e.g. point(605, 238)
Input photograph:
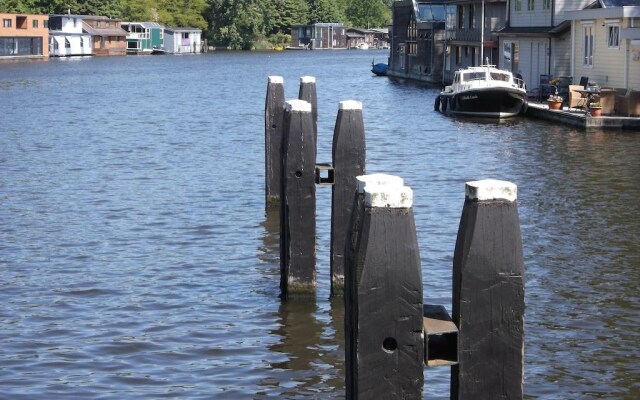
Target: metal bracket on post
point(440, 337)
point(324, 180)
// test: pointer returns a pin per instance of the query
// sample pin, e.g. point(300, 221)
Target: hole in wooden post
point(389, 345)
point(298, 174)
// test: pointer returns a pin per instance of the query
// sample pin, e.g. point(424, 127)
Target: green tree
point(368, 13)
point(325, 11)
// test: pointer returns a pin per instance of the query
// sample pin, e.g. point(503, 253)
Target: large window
point(531, 5)
point(412, 34)
point(460, 17)
point(472, 20)
point(588, 45)
point(518, 5)
point(613, 36)
point(546, 4)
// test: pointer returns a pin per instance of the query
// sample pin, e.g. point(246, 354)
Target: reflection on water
point(136, 259)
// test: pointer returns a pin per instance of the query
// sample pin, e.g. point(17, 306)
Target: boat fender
point(436, 106)
point(525, 107)
point(445, 101)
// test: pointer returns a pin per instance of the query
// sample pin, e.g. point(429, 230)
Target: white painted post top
point(297, 106)
point(307, 79)
point(386, 196)
point(491, 189)
point(350, 105)
point(276, 79)
point(378, 180)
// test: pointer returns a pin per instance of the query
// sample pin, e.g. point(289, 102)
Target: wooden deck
point(581, 118)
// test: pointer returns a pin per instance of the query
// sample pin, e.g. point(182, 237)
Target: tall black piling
point(273, 119)
point(488, 294)
point(298, 203)
point(308, 93)
point(348, 163)
point(385, 351)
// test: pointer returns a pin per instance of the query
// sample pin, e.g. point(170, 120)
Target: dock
point(581, 118)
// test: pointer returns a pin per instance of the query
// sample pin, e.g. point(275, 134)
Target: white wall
point(75, 42)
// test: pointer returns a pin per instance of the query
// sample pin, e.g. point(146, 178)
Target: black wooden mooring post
point(298, 203)
point(348, 162)
point(488, 295)
point(308, 93)
point(383, 284)
point(273, 119)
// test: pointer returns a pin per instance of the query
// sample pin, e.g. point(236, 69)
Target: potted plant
point(555, 102)
point(595, 109)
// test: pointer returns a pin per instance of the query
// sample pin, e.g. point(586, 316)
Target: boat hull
point(496, 102)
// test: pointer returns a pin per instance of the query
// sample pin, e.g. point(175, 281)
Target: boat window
point(499, 77)
point(470, 76)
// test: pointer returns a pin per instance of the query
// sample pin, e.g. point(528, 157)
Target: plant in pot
point(595, 109)
point(555, 102)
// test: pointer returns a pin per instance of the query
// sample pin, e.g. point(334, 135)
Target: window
point(185, 35)
point(6, 23)
point(45, 24)
point(588, 45)
point(75, 22)
point(412, 34)
point(546, 4)
point(81, 42)
point(471, 19)
point(35, 23)
point(531, 5)
point(67, 43)
point(614, 36)
point(518, 5)
point(460, 17)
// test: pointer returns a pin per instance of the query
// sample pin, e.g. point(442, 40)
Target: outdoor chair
point(629, 104)
point(544, 87)
point(608, 101)
point(584, 80)
point(563, 85)
point(575, 98)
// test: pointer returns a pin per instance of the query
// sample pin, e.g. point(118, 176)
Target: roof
point(544, 31)
point(618, 3)
point(103, 32)
point(183, 29)
point(144, 24)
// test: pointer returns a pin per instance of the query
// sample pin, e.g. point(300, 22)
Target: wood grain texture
point(488, 302)
point(298, 208)
point(348, 162)
point(273, 121)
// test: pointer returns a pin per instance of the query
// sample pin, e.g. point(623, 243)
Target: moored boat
point(483, 91)
point(379, 69)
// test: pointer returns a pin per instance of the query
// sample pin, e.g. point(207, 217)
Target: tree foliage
point(235, 23)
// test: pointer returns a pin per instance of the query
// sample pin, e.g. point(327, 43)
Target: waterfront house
point(380, 38)
point(143, 36)
point(319, 36)
point(418, 40)
point(183, 40)
point(24, 36)
point(67, 38)
point(537, 38)
point(605, 44)
point(471, 33)
point(357, 38)
point(107, 36)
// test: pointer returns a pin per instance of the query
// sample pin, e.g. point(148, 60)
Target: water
point(136, 259)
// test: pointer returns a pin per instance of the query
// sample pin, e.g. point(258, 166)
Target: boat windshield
point(496, 76)
point(471, 76)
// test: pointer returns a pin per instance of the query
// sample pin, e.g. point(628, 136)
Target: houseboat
point(483, 91)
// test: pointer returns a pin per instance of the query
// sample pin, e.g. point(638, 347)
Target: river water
point(137, 261)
